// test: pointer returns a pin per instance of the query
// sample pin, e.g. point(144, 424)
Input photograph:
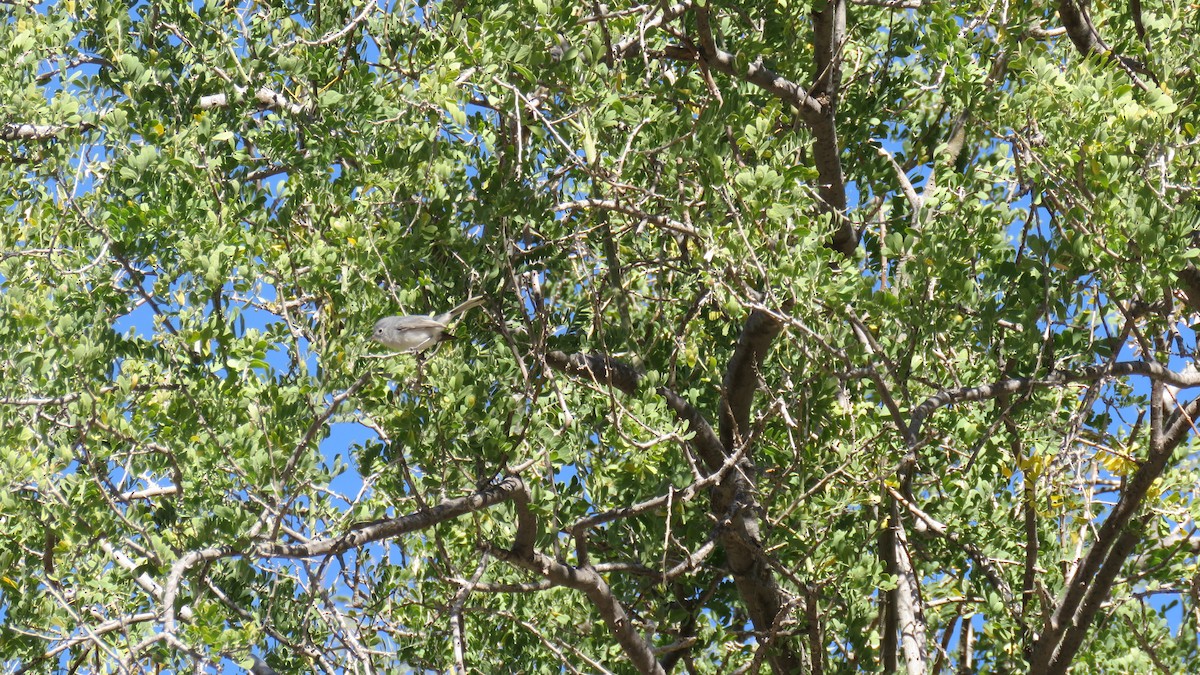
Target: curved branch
point(449, 509)
point(1087, 40)
point(755, 72)
point(1149, 369)
point(733, 501)
point(704, 441)
point(816, 107)
point(634, 44)
point(584, 578)
point(80, 60)
point(602, 368)
point(175, 578)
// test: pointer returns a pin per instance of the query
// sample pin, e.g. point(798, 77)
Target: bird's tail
point(468, 304)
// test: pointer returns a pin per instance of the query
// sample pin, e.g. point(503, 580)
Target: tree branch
point(267, 99)
point(634, 44)
point(976, 554)
point(1155, 371)
point(889, 620)
point(614, 205)
point(584, 578)
point(755, 73)
point(910, 614)
point(742, 376)
point(817, 108)
point(500, 492)
point(1087, 40)
point(829, 34)
point(1086, 590)
point(80, 60)
point(1149, 369)
point(602, 368)
point(733, 502)
point(1095, 574)
point(18, 131)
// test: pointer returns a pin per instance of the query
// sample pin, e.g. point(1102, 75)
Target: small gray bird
point(260, 667)
point(418, 333)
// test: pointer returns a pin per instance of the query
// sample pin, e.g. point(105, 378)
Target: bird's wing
point(419, 323)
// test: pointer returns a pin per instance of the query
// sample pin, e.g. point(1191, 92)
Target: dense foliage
point(830, 336)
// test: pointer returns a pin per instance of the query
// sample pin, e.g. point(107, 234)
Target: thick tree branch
point(511, 488)
point(264, 97)
point(1079, 28)
point(502, 491)
point(742, 376)
point(829, 36)
point(909, 612)
point(175, 579)
point(584, 578)
point(588, 581)
point(817, 108)
point(602, 368)
point(1087, 40)
point(17, 131)
point(1097, 593)
point(733, 501)
point(1095, 574)
point(889, 619)
point(1139, 25)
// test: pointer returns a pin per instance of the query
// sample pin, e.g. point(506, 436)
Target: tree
point(821, 337)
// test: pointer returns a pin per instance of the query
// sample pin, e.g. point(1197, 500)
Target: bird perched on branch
point(260, 667)
point(418, 333)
